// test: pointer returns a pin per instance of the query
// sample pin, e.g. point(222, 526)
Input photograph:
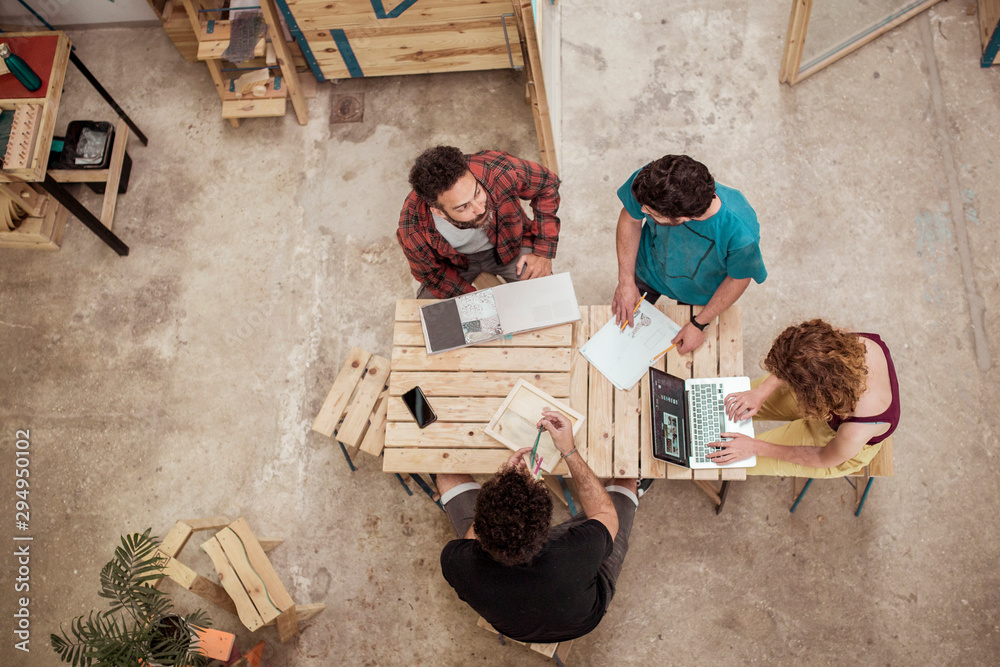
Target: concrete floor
point(181, 381)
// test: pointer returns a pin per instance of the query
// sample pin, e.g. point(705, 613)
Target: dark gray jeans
point(485, 261)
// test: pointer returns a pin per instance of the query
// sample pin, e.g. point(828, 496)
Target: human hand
point(738, 448)
point(688, 338)
point(626, 296)
point(533, 266)
point(517, 459)
point(743, 405)
point(558, 426)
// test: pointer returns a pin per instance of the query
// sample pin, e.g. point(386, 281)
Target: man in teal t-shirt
point(699, 244)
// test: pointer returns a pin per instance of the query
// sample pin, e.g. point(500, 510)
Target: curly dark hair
point(824, 368)
point(512, 517)
point(675, 186)
point(437, 170)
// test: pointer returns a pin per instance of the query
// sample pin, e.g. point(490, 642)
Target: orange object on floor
point(215, 644)
point(252, 657)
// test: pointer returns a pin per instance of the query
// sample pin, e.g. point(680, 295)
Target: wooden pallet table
point(466, 387)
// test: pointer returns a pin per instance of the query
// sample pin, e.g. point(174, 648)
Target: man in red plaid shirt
point(464, 217)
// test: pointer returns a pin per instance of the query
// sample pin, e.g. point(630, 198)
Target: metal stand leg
point(427, 489)
point(107, 97)
point(864, 497)
point(346, 456)
point(400, 478)
point(723, 492)
point(83, 215)
point(801, 493)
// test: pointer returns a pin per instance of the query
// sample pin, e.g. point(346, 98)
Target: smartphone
point(418, 406)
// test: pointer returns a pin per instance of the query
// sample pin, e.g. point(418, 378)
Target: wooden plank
point(470, 461)
point(291, 79)
point(176, 538)
point(471, 383)
point(579, 379)
point(343, 387)
point(306, 611)
point(709, 490)
point(450, 409)
point(374, 439)
point(320, 14)
point(883, 465)
point(732, 474)
point(600, 412)
point(677, 365)
point(483, 359)
point(795, 35)
point(989, 16)
point(536, 83)
point(705, 473)
point(114, 173)
point(245, 608)
point(677, 472)
point(626, 442)
point(438, 434)
point(254, 107)
point(360, 409)
point(210, 523)
point(731, 342)
point(288, 624)
point(248, 547)
point(411, 334)
point(706, 357)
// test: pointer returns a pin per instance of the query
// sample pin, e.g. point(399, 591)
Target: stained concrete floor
point(181, 381)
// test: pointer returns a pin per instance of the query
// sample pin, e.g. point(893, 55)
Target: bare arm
point(845, 445)
point(595, 500)
point(627, 238)
point(691, 337)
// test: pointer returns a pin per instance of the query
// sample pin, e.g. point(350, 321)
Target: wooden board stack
point(20, 146)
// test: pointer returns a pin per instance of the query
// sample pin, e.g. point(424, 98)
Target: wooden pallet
point(42, 232)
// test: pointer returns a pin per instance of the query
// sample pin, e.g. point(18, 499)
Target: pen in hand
point(634, 310)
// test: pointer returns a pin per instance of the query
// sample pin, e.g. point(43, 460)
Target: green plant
point(140, 624)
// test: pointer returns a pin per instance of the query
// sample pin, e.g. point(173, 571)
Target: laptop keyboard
point(708, 418)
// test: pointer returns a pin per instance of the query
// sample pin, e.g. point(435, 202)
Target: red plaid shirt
point(506, 180)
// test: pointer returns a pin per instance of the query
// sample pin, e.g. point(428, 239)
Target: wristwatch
point(701, 327)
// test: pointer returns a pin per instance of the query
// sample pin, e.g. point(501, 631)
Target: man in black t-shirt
point(531, 582)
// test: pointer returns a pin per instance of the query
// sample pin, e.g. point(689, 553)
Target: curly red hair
point(824, 368)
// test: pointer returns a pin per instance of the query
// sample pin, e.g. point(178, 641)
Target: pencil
point(635, 310)
point(663, 353)
point(535, 448)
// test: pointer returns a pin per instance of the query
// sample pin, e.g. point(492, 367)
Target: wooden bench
point(880, 466)
point(354, 411)
point(250, 586)
point(558, 651)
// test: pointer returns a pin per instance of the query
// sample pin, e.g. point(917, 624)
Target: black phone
point(418, 406)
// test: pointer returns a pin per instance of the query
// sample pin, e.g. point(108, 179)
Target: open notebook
point(489, 314)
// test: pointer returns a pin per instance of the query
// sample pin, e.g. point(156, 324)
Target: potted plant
point(140, 627)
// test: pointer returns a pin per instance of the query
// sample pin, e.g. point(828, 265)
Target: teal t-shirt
point(688, 263)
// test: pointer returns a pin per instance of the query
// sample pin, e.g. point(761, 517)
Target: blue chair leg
point(426, 489)
point(864, 496)
point(801, 493)
point(346, 456)
point(569, 496)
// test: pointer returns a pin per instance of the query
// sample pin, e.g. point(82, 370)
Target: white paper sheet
point(624, 356)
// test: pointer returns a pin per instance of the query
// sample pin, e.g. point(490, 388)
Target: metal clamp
point(506, 39)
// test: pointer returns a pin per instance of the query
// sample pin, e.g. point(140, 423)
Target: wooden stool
point(880, 466)
point(354, 410)
point(250, 587)
point(558, 651)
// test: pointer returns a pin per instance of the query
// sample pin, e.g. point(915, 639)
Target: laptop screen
point(669, 420)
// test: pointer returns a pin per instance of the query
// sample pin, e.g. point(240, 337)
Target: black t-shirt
point(557, 597)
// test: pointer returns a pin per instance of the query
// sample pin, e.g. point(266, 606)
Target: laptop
point(686, 415)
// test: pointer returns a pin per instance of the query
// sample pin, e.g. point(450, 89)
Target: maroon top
point(891, 415)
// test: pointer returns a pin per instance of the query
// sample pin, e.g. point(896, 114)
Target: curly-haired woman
point(836, 389)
